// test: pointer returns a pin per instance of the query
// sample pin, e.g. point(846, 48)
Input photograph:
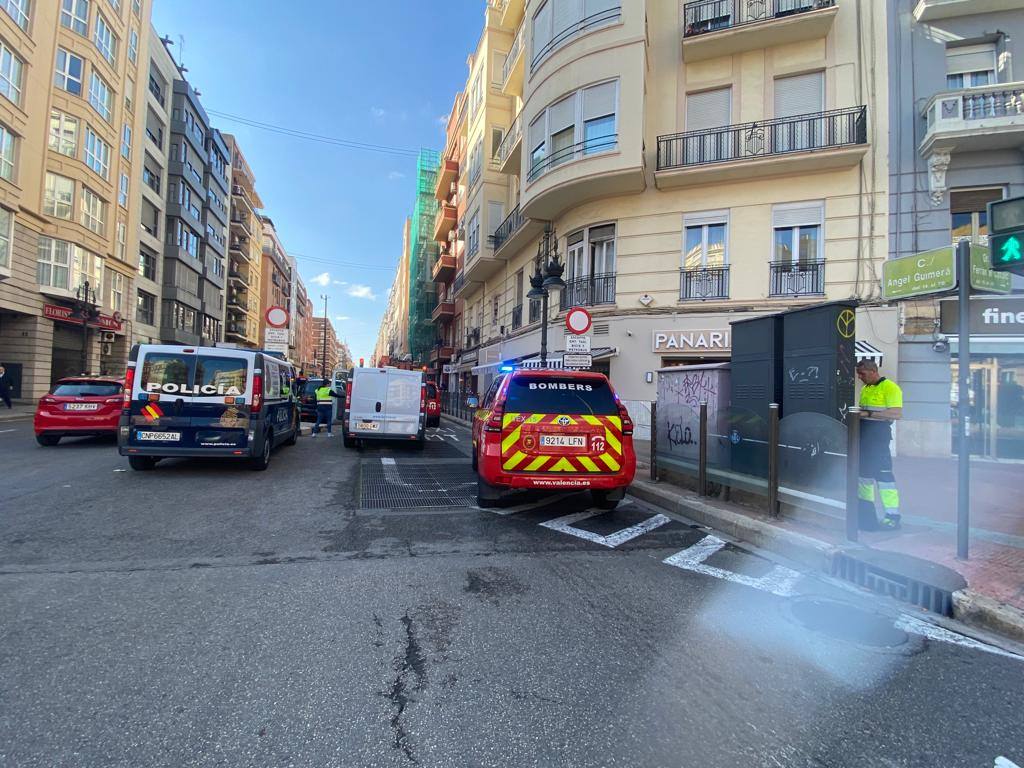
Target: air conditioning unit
point(108, 337)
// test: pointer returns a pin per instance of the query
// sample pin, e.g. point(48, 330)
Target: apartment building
point(70, 112)
point(303, 319)
point(694, 164)
point(245, 253)
point(276, 279)
point(957, 131)
point(326, 347)
point(393, 336)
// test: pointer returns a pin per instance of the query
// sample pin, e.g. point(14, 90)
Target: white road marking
point(1002, 762)
point(566, 525)
point(5, 430)
point(530, 505)
point(916, 626)
point(779, 581)
point(120, 470)
point(385, 460)
point(391, 474)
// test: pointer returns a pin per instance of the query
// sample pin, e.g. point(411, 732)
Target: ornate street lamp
point(547, 275)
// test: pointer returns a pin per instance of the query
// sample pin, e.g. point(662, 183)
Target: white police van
point(205, 401)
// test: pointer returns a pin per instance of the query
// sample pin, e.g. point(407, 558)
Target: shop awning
point(555, 358)
point(865, 351)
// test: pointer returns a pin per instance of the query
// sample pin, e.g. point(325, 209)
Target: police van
point(205, 401)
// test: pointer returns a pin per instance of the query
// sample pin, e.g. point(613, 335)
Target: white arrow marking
point(779, 581)
point(916, 626)
point(565, 525)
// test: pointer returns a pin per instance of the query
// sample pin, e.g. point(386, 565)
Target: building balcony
point(238, 299)
point(510, 150)
point(512, 13)
point(461, 286)
point(442, 353)
point(515, 67)
point(445, 310)
point(785, 145)
point(588, 291)
point(238, 278)
point(981, 118)
point(241, 223)
point(514, 233)
point(447, 216)
point(446, 174)
point(704, 283)
point(713, 28)
point(934, 10)
point(800, 278)
point(444, 268)
point(239, 192)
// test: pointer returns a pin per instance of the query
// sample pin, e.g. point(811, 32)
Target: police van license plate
point(371, 425)
point(563, 441)
point(168, 437)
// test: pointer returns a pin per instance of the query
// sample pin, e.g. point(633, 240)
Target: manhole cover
point(847, 622)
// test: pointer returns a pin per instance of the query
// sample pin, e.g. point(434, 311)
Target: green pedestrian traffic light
point(1010, 250)
point(1007, 251)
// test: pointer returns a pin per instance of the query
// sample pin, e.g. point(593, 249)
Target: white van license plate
point(563, 441)
point(163, 437)
point(371, 425)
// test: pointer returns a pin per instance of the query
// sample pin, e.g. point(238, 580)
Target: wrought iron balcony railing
point(704, 283)
point(508, 227)
point(588, 291)
point(513, 53)
point(561, 37)
point(517, 317)
point(798, 278)
point(703, 16)
point(591, 146)
point(515, 133)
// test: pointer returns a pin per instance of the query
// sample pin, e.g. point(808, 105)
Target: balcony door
point(706, 111)
point(591, 266)
point(799, 102)
point(970, 66)
point(968, 210)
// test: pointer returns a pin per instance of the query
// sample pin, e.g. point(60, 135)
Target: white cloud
point(396, 175)
point(342, 318)
point(358, 291)
point(323, 279)
point(442, 120)
point(340, 282)
point(378, 112)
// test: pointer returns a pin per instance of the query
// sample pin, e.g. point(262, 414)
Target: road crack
point(409, 663)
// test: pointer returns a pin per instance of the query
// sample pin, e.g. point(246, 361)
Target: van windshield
point(548, 394)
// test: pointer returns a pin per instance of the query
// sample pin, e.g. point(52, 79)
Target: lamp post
point(547, 274)
point(323, 357)
point(87, 309)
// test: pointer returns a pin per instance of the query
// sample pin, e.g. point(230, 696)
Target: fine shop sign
point(989, 316)
point(692, 341)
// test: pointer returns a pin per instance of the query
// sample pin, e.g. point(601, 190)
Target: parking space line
point(566, 524)
point(916, 626)
point(779, 581)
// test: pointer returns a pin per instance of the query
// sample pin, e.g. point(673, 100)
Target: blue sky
point(382, 73)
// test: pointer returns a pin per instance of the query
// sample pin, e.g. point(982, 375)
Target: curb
point(969, 606)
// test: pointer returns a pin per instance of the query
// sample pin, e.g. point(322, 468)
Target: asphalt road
point(347, 609)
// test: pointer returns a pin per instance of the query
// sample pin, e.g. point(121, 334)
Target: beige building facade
point(245, 254)
point(693, 171)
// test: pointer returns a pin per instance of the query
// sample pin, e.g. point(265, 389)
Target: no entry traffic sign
point(577, 320)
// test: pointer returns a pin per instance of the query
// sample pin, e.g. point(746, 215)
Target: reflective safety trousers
point(876, 467)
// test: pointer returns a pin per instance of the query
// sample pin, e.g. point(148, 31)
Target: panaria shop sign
point(67, 315)
point(706, 340)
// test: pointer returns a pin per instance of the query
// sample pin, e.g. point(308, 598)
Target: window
point(705, 240)
point(122, 191)
point(223, 372)
point(599, 132)
point(166, 368)
point(183, 236)
point(557, 22)
point(498, 68)
point(799, 95)
point(10, 74)
point(116, 291)
point(704, 111)
point(497, 134)
point(144, 307)
point(129, 92)
point(147, 265)
point(137, 8)
point(74, 14)
point(968, 66)
point(86, 388)
point(133, 45)
point(495, 215)
point(100, 96)
point(549, 395)
point(87, 266)
point(115, 4)
point(475, 163)
point(473, 240)
point(179, 316)
point(17, 10)
point(797, 233)
point(121, 244)
point(968, 210)
point(93, 213)
point(6, 154)
point(126, 142)
point(582, 123)
point(68, 73)
point(63, 134)
point(495, 306)
point(105, 41)
point(97, 153)
point(58, 196)
point(6, 235)
point(53, 263)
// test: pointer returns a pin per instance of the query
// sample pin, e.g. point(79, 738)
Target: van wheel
point(607, 499)
point(347, 440)
point(261, 462)
point(295, 432)
point(45, 439)
point(141, 463)
point(487, 496)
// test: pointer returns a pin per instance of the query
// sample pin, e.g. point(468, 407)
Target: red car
point(433, 403)
point(78, 406)
point(551, 429)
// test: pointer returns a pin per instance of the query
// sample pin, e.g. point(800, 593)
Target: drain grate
point(901, 586)
point(416, 486)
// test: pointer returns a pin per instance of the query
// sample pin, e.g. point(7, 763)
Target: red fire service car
point(78, 406)
point(433, 405)
point(552, 429)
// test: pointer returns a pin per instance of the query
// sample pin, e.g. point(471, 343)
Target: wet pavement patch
point(846, 622)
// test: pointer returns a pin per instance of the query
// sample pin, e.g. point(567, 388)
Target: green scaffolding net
point(422, 255)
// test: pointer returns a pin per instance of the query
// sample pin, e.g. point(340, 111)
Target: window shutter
point(799, 95)
point(537, 132)
point(592, 7)
point(599, 101)
point(708, 109)
point(561, 115)
point(542, 27)
point(565, 14)
point(495, 215)
point(803, 215)
point(971, 58)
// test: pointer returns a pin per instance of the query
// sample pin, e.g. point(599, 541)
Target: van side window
point(222, 373)
point(162, 368)
point(492, 391)
point(272, 379)
point(284, 380)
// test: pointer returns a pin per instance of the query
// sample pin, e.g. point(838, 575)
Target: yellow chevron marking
point(514, 460)
point(616, 422)
point(509, 418)
point(511, 440)
point(586, 462)
point(593, 420)
point(535, 418)
point(563, 465)
point(537, 463)
point(613, 465)
point(613, 441)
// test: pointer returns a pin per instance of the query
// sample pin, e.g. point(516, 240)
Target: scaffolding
point(422, 255)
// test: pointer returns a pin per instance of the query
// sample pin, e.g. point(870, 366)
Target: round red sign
point(577, 320)
point(277, 317)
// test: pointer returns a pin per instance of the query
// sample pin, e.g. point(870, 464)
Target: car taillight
point(627, 423)
point(48, 400)
point(129, 382)
point(257, 392)
point(423, 398)
point(494, 420)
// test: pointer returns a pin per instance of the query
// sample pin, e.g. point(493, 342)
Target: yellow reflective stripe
point(613, 441)
point(613, 465)
point(511, 440)
point(615, 422)
point(509, 418)
point(866, 490)
point(563, 465)
point(516, 457)
point(586, 462)
point(592, 420)
point(536, 463)
point(535, 418)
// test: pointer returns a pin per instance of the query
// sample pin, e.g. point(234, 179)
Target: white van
point(385, 404)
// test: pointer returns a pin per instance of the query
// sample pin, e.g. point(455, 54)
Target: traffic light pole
point(963, 496)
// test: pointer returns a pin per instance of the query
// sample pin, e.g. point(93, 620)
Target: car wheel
point(141, 463)
point(48, 440)
point(607, 499)
point(487, 496)
point(261, 462)
point(295, 432)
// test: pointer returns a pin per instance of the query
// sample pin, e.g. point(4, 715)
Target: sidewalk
point(21, 410)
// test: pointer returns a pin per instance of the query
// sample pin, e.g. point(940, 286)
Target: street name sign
point(934, 271)
point(577, 344)
point(577, 361)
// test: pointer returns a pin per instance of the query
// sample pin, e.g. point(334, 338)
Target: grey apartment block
point(956, 135)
